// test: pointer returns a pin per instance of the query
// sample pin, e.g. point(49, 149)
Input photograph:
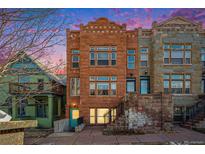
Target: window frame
point(75, 53)
point(184, 79)
point(76, 84)
point(168, 47)
point(95, 80)
point(145, 52)
point(110, 61)
point(131, 53)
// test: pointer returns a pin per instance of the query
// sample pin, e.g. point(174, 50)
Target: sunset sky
point(132, 17)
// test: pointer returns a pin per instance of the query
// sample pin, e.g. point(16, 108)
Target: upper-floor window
point(75, 51)
point(144, 57)
point(74, 86)
point(177, 53)
point(177, 83)
point(131, 59)
point(202, 50)
point(113, 58)
point(75, 61)
point(92, 58)
point(103, 85)
point(75, 58)
point(103, 56)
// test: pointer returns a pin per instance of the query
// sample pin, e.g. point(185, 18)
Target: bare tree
point(32, 32)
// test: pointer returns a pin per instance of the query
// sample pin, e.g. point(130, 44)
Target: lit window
point(92, 116)
point(101, 116)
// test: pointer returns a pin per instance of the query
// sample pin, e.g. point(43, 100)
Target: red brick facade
point(102, 32)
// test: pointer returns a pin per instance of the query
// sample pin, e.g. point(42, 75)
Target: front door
point(144, 85)
point(74, 115)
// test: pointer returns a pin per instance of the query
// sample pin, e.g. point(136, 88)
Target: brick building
point(105, 61)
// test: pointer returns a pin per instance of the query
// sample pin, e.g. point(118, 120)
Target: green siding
point(31, 108)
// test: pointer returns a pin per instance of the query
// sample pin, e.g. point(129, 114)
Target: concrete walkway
point(94, 136)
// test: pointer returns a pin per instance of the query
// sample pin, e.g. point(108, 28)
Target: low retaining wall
point(12, 132)
point(61, 126)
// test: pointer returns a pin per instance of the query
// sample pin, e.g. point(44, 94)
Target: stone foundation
point(145, 114)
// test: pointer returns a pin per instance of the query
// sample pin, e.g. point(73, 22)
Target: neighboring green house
point(28, 90)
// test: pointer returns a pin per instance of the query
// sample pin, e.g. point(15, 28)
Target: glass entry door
point(144, 85)
point(131, 85)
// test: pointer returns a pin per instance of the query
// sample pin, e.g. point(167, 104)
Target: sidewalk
point(94, 136)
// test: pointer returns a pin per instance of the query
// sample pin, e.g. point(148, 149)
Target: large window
point(102, 115)
point(177, 83)
point(103, 56)
point(131, 59)
point(103, 85)
point(74, 86)
point(144, 57)
point(202, 50)
point(177, 53)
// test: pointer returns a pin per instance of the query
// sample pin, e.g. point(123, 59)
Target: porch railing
point(35, 88)
point(109, 118)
